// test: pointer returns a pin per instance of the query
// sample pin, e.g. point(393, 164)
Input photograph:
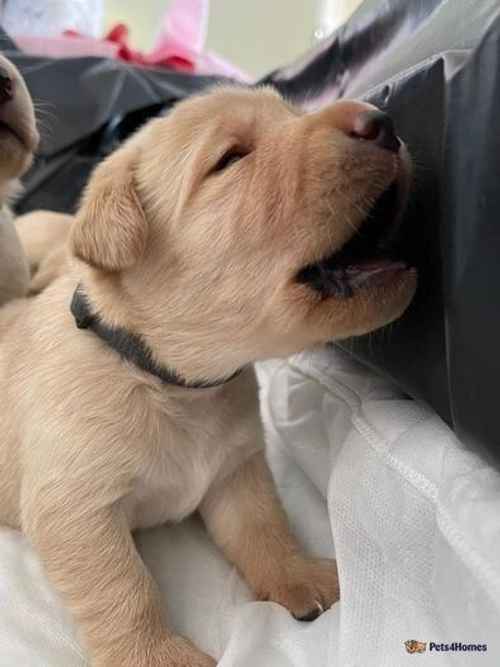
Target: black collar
point(131, 346)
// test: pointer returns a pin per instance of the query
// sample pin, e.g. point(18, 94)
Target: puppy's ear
point(110, 230)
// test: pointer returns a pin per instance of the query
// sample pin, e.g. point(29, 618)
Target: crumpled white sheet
point(416, 522)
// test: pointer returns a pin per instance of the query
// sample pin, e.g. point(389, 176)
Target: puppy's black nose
point(6, 87)
point(378, 127)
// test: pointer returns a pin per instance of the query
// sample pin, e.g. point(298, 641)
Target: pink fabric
point(183, 32)
point(171, 58)
point(184, 27)
point(179, 45)
point(66, 47)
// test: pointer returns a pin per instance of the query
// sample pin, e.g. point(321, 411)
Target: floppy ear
point(110, 229)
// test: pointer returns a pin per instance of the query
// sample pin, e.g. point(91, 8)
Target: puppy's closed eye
point(230, 157)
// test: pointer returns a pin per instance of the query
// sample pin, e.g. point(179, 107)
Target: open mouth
point(365, 260)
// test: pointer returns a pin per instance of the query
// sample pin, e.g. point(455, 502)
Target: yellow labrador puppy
point(18, 140)
point(224, 233)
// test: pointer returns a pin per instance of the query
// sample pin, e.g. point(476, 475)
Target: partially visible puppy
point(43, 235)
point(18, 140)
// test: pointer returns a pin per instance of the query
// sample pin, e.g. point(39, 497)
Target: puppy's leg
point(44, 235)
point(246, 520)
point(40, 232)
point(91, 560)
point(51, 267)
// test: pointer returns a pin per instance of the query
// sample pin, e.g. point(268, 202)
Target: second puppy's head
point(249, 227)
point(18, 133)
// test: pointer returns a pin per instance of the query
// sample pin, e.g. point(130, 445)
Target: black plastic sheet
point(434, 66)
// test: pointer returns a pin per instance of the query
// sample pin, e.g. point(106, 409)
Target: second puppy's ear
point(110, 230)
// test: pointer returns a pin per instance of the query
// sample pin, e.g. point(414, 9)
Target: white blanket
point(415, 519)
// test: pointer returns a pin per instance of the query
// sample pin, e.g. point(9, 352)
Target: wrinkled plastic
point(435, 67)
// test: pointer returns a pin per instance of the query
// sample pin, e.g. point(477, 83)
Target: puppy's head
point(251, 226)
point(18, 133)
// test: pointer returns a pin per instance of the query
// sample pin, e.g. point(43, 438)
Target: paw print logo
point(413, 646)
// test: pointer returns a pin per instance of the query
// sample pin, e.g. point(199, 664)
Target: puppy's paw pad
point(307, 587)
point(311, 615)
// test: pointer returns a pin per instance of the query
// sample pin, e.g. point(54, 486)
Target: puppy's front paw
point(305, 586)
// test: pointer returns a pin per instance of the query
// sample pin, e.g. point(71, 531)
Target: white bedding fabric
point(415, 519)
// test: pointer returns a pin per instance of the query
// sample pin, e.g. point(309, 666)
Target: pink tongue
point(375, 271)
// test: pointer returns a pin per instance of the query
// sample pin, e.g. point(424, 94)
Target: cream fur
point(43, 235)
point(14, 270)
point(15, 158)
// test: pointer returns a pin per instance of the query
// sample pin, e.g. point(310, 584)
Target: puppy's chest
point(181, 465)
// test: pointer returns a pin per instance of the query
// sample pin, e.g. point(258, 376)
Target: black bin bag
point(434, 66)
